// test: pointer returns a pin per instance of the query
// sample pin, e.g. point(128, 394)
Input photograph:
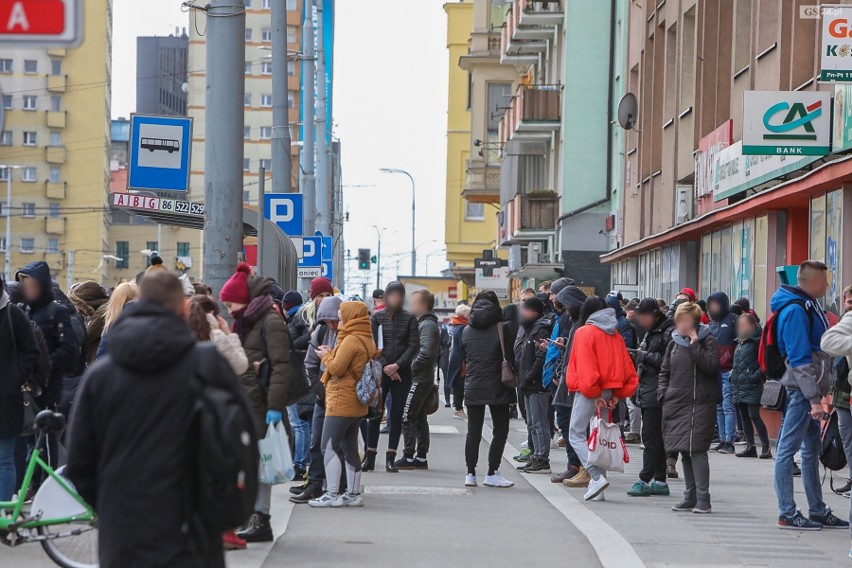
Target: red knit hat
point(690, 293)
point(236, 289)
point(320, 285)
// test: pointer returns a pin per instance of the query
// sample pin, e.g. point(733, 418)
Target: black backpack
point(79, 330)
point(832, 455)
point(226, 453)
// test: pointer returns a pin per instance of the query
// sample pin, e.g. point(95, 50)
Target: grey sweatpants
point(538, 423)
point(339, 447)
point(581, 414)
point(696, 477)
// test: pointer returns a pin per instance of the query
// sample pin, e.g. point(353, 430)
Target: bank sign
point(836, 54)
point(786, 123)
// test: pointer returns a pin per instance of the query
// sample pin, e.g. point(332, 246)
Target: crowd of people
point(683, 379)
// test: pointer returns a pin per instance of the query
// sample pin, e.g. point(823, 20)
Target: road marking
point(411, 490)
point(441, 429)
point(611, 547)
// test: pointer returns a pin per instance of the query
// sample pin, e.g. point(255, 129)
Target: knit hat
point(395, 286)
point(291, 299)
point(534, 305)
point(690, 293)
point(559, 284)
point(327, 310)
point(321, 285)
point(647, 306)
point(236, 289)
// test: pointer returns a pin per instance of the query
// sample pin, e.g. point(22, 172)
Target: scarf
point(245, 319)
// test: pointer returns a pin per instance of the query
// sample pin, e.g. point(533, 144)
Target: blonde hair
point(123, 293)
point(308, 312)
point(688, 309)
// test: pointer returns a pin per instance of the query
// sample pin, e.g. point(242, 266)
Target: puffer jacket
point(688, 391)
point(423, 366)
point(724, 329)
point(345, 364)
point(480, 349)
point(400, 337)
point(599, 359)
point(746, 376)
point(837, 341)
point(529, 358)
point(650, 360)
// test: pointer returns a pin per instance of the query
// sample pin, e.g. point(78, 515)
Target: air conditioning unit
point(685, 204)
point(534, 253)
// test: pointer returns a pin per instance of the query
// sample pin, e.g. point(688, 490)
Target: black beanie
point(534, 305)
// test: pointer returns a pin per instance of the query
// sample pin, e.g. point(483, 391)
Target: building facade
point(56, 138)
point(161, 82)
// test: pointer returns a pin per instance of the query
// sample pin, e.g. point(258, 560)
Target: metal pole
point(223, 152)
point(70, 269)
point(379, 264)
point(322, 134)
point(413, 225)
point(306, 158)
point(282, 164)
point(261, 215)
point(8, 252)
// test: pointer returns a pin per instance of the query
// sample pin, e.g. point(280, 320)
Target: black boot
point(748, 452)
point(369, 463)
point(296, 489)
point(257, 530)
point(765, 453)
point(390, 467)
point(312, 491)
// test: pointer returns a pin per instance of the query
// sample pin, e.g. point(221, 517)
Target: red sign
point(134, 201)
point(51, 22)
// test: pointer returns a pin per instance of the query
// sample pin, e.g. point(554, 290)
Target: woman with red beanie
point(267, 381)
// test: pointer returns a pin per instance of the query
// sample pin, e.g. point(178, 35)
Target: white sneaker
point(327, 500)
point(596, 487)
point(352, 500)
point(459, 414)
point(601, 497)
point(497, 480)
point(470, 480)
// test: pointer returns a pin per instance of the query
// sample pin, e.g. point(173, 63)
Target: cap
point(647, 306)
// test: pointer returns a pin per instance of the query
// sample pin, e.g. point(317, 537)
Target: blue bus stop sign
point(159, 152)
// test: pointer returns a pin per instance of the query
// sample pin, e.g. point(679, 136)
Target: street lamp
point(413, 217)
point(8, 253)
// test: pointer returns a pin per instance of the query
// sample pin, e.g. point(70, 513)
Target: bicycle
point(64, 524)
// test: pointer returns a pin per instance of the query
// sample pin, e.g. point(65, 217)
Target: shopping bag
point(606, 446)
point(276, 461)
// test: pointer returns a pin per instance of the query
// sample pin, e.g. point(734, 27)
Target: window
point(246, 196)
point(291, 99)
point(56, 67)
point(122, 251)
point(7, 102)
point(266, 100)
point(27, 246)
point(4, 174)
point(246, 164)
point(247, 132)
point(266, 164)
point(5, 65)
point(55, 138)
point(474, 211)
point(266, 4)
point(291, 34)
point(266, 68)
point(28, 210)
point(28, 174)
point(30, 102)
point(248, 34)
point(6, 138)
point(54, 174)
point(30, 138)
point(266, 34)
point(54, 209)
point(265, 132)
point(182, 249)
point(52, 246)
point(291, 68)
point(30, 66)
point(247, 99)
point(56, 103)
point(2, 244)
point(248, 68)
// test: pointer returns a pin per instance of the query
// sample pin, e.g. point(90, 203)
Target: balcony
point(529, 217)
point(483, 182)
point(56, 83)
point(55, 226)
point(56, 119)
point(484, 46)
point(55, 155)
point(530, 25)
point(540, 16)
point(535, 113)
point(55, 190)
point(519, 52)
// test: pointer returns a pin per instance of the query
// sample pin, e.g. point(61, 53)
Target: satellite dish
point(627, 110)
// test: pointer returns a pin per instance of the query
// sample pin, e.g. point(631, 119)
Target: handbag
point(773, 395)
point(507, 374)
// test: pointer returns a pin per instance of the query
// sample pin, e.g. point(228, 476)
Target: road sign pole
point(323, 185)
point(306, 158)
point(223, 153)
point(282, 166)
point(261, 216)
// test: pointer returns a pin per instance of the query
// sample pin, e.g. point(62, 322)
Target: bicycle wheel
point(74, 545)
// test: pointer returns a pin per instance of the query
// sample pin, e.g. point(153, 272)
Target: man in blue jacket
point(800, 325)
point(723, 326)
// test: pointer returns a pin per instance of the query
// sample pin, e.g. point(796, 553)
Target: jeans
point(844, 421)
point(301, 437)
point(798, 430)
point(563, 420)
point(726, 414)
point(500, 425)
point(581, 414)
point(316, 471)
point(7, 468)
point(538, 423)
point(654, 455)
point(415, 422)
point(750, 415)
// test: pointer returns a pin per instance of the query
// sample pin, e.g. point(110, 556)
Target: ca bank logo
point(796, 121)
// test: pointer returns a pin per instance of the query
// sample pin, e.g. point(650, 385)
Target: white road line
point(612, 549)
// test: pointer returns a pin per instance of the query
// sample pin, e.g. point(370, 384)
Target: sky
point(390, 110)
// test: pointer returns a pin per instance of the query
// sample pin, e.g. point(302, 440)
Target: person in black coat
point(483, 354)
point(130, 452)
point(444, 363)
point(19, 353)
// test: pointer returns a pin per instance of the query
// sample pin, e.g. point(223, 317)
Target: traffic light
point(364, 259)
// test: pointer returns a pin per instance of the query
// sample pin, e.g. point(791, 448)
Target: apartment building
point(161, 82)
point(55, 138)
point(697, 211)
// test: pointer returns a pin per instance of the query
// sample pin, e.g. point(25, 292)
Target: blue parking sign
point(312, 252)
point(327, 269)
point(159, 152)
point(327, 246)
point(285, 210)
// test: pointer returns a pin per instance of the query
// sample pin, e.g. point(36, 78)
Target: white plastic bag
point(606, 446)
point(276, 461)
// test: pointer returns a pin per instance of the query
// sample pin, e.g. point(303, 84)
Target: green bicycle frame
point(13, 522)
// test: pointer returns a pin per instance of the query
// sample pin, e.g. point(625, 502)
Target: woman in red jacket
point(600, 373)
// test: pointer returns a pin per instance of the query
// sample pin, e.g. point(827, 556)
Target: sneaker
point(726, 448)
point(596, 487)
point(748, 452)
point(538, 465)
point(582, 479)
point(639, 489)
point(525, 445)
point(717, 447)
point(460, 415)
point(684, 506)
point(632, 438)
point(352, 500)
point(524, 456)
point(230, 541)
point(327, 500)
point(497, 480)
point(470, 480)
point(765, 453)
point(385, 429)
point(600, 497)
point(844, 489)
point(798, 522)
point(447, 405)
point(830, 521)
point(560, 441)
point(797, 471)
point(642, 447)
point(569, 472)
point(659, 490)
point(404, 463)
point(702, 509)
point(421, 463)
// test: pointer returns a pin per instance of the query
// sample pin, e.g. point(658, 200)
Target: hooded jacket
point(90, 300)
point(455, 370)
point(628, 334)
point(600, 360)
point(400, 336)
point(746, 376)
point(724, 329)
point(129, 451)
point(650, 360)
point(799, 336)
point(20, 354)
point(688, 391)
point(345, 364)
point(423, 366)
point(571, 298)
point(529, 358)
point(322, 335)
point(481, 351)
